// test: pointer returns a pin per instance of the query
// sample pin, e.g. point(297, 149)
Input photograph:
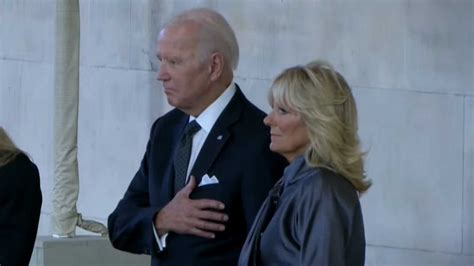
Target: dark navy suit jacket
point(236, 151)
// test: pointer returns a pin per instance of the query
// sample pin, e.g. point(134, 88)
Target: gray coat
point(317, 220)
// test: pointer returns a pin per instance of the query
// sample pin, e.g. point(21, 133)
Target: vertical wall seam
point(130, 34)
point(463, 132)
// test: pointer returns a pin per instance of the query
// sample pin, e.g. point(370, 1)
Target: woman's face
point(289, 136)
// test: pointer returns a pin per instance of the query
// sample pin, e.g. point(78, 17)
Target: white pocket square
point(206, 180)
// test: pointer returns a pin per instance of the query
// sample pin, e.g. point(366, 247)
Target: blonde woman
point(20, 204)
point(312, 216)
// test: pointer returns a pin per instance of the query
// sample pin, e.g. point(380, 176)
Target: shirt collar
point(209, 116)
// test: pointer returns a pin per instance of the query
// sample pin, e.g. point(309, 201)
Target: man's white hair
point(216, 34)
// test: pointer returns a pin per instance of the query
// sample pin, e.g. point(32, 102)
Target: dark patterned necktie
point(183, 153)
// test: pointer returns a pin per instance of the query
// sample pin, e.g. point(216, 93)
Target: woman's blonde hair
point(8, 150)
point(327, 107)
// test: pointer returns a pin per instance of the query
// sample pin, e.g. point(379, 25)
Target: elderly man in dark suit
point(207, 166)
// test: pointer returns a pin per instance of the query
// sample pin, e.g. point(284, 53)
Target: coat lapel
point(218, 136)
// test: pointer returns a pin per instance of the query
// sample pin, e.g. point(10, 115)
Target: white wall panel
point(105, 33)
point(27, 29)
point(415, 150)
point(386, 256)
point(114, 125)
point(439, 48)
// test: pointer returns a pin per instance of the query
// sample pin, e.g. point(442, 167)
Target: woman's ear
point(216, 66)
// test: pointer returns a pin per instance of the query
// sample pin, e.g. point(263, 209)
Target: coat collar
point(296, 170)
point(219, 135)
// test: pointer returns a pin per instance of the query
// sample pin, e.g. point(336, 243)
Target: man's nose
point(162, 74)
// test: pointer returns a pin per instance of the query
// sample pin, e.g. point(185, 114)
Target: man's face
point(186, 78)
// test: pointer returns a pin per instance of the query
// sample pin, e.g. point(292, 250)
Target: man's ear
point(216, 66)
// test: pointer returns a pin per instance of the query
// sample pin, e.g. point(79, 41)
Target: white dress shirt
point(206, 120)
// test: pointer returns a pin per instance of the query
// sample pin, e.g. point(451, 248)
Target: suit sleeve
point(262, 169)
point(20, 211)
point(130, 224)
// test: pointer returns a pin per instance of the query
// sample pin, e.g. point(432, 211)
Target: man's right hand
point(183, 215)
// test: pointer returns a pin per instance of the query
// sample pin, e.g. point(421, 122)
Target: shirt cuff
point(160, 240)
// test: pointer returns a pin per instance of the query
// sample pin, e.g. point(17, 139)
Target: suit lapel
point(218, 136)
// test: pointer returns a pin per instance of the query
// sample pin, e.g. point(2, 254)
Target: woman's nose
point(267, 119)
